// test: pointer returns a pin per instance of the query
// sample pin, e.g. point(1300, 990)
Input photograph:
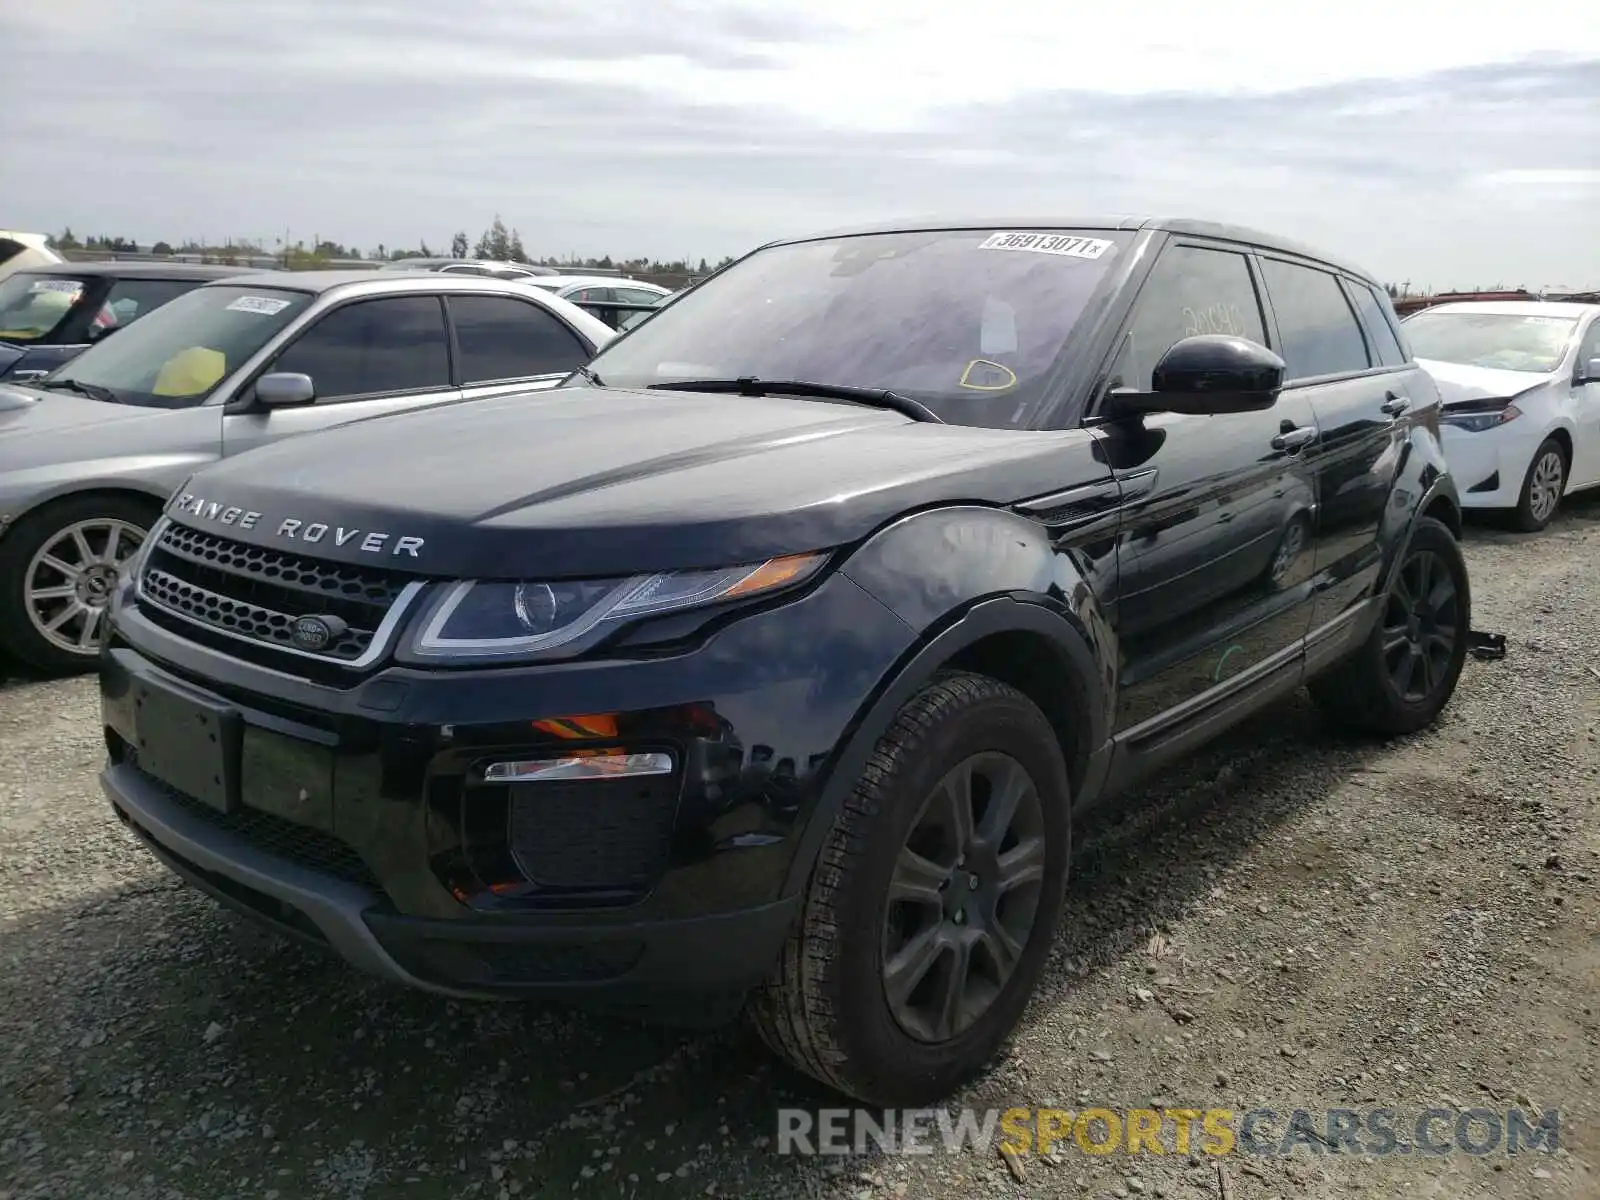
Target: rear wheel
point(1542, 487)
point(1406, 671)
point(58, 568)
point(931, 910)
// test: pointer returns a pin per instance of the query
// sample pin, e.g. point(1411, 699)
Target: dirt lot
point(1290, 921)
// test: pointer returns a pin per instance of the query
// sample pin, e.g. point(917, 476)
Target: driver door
point(1214, 547)
point(364, 358)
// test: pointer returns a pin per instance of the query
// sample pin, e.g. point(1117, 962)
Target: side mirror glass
point(285, 389)
point(1208, 374)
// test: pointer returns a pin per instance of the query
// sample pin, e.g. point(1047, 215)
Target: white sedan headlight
point(478, 620)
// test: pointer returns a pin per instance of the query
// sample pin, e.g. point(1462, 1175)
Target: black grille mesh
point(312, 848)
point(613, 834)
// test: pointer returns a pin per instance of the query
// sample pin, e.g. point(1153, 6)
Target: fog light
point(600, 765)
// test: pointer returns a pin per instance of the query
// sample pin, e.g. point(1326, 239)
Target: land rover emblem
point(316, 633)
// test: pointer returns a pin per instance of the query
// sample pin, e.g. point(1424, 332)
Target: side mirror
point(1205, 375)
point(1589, 372)
point(285, 389)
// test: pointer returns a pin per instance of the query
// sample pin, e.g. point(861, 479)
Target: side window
point(1319, 331)
point(501, 338)
point(638, 296)
point(1375, 320)
point(1191, 290)
point(130, 299)
point(1589, 349)
point(589, 295)
point(396, 344)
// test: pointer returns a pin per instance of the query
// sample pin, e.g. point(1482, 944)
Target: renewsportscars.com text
point(1264, 1132)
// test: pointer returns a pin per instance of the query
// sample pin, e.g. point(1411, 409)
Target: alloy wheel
point(1289, 549)
point(1545, 485)
point(69, 582)
point(964, 897)
point(1420, 626)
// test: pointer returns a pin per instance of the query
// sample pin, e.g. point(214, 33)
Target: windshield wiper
point(751, 386)
point(92, 390)
point(591, 376)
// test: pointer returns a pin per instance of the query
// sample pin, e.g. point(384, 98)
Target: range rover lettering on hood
point(370, 541)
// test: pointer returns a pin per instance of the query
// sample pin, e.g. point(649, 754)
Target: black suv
point(774, 653)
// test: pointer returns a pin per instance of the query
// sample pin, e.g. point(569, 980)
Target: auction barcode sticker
point(1071, 246)
point(57, 285)
point(264, 305)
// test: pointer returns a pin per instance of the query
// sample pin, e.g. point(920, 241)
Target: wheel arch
point(124, 491)
point(1024, 642)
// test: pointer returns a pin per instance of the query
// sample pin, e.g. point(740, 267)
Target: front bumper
point(1489, 467)
point(359, 818)
point(641, 962)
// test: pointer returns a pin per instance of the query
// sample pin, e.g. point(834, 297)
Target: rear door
point(1343, 356)
point(505, 344)
point(364, 358)
point(1211, 551)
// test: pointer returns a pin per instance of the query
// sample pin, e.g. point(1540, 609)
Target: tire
point(1362, 694)
point(33, 592)
point(1542, 487)
point(826, 1008)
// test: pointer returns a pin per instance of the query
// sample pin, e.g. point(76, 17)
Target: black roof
point(143, 270)
point(1180, 225)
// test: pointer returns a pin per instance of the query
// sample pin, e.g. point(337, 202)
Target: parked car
point(89, 453)
point(1521, 388)
point(471, 266)
point(20, 250)
point(51, 314)
point(620, 303)
point(774, 653)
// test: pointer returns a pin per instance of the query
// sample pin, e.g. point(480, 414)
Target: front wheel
point(932, 908)
point(1406, 671)
point(58, 569)
point(1542, 487)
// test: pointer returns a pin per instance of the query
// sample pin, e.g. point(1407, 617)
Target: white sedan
point(1520, 381)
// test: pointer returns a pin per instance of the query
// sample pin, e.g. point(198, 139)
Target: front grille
point(312, 848)
point(256, 595)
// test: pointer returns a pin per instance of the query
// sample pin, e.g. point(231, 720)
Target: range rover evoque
point(771, 657)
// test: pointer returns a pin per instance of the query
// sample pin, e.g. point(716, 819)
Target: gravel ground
point(1288, 921)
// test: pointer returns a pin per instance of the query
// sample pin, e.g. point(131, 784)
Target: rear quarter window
point(1376, 321)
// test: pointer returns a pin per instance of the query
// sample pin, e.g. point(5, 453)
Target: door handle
point(1394, 405)
point(1296, 438)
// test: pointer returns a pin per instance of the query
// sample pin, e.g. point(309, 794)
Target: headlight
point(1479, 421)
point(504, 620)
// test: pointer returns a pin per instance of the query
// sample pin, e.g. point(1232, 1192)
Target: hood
point(1459, 384)
point(12, 398)
point(42, 429)
point(587, 482)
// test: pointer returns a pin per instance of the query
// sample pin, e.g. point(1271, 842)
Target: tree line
point(497, 242)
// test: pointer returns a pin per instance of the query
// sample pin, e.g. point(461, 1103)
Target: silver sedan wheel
point(1545, 487)
point(69, 582)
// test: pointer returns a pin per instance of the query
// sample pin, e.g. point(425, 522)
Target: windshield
point(968, 322)
point(176, 356)
point(1504, 341)
point(33, 306)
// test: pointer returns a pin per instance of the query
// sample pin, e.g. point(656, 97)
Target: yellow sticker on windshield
point(190, 372)
point(982, 375)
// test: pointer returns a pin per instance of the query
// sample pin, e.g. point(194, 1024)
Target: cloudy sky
point(1445, 144)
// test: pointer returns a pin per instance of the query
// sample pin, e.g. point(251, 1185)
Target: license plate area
point(190, 743)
